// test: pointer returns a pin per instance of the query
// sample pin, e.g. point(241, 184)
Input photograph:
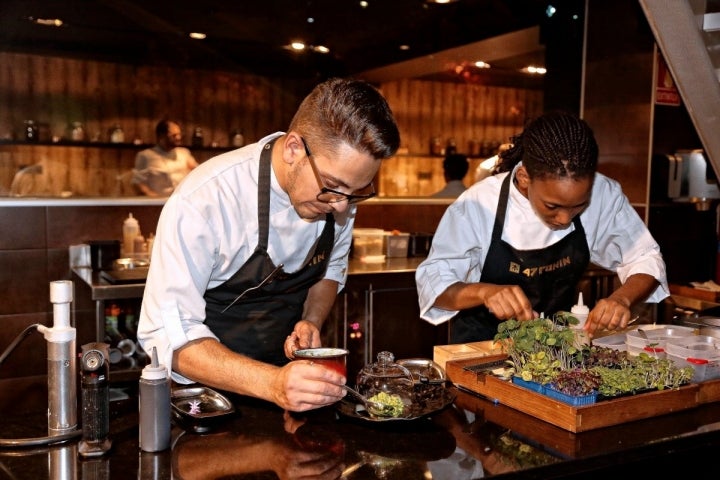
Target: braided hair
point(553, 145)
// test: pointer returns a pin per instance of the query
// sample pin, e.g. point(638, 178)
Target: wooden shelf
point(85, 144)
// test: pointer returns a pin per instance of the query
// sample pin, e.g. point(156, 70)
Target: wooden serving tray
point(692, 292)
point(577, 418)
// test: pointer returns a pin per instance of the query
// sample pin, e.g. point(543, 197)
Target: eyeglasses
point(328, 195)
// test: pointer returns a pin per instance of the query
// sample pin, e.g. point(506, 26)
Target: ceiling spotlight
point(481, 64)
point(297, 46)
point(535, 70)
point(364, 4)
point(197, 35)
point(404, 47)
point(46, 22)
point(440, 2)
point(321, 49)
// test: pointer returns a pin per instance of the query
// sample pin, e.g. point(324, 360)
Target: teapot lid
point(386, 367)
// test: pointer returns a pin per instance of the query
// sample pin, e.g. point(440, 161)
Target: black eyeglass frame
point(334, 195)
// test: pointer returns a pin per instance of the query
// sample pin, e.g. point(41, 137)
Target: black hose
point(30, 442)
point(17, 341)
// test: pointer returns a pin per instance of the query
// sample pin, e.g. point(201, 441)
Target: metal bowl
point(424, 370)
point(129, 263)
point(200, 409)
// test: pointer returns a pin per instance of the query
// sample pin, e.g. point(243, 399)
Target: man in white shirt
point(516, 244)
point(159, 169)
point(252, 248)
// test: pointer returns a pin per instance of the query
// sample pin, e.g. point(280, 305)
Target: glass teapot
point(386, 376)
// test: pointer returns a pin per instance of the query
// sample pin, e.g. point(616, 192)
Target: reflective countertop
point(472, 438)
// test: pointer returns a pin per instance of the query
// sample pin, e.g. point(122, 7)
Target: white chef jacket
point(161, 170)
point(617, 238)
point(207, 229)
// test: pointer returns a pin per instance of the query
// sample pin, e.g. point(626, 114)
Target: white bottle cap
point(154, 371)
point(131, 221)
point(580, 308)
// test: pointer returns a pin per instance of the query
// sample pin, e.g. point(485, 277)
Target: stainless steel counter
point(102, 290)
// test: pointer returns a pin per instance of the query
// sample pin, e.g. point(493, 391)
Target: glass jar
point(117, 135)
point(386, 376)
point(77, 133)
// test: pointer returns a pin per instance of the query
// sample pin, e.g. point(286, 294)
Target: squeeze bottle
point(154, 406)
point(580, 311)
point(131, 229)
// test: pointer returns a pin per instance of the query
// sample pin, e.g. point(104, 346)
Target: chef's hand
point(508, 301)
point(304, 385)
point(608, 314)
point(305, 335)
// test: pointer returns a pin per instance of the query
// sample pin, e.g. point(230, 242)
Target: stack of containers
point(396, 244)
point(656, 341)
point(368, 244)
point(701, 352)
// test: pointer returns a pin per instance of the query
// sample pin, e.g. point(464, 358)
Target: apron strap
point(264, 196)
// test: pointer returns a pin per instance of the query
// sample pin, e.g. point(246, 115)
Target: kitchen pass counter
point(474, 438)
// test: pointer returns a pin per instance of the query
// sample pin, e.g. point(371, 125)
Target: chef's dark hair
point(348, 110)
point(553, 145)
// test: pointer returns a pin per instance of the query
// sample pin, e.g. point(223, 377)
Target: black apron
point(257, 324)
point(548, 276)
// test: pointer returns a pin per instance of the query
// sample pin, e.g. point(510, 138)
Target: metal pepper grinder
point(94, 381)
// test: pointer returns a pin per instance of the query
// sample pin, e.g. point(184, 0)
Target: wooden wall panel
point(58, 91)
point(55, 92)
point(465, 112)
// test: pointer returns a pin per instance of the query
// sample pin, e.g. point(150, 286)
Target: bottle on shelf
point(139, 246)
point(237, 138)
point(150, 242)
point(436, 147)
point(197, 137)
point(131, 229)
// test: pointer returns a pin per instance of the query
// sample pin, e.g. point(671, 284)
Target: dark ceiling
point(251, 35)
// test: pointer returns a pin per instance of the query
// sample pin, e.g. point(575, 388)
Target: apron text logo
point(535, 271)
point(317, 259)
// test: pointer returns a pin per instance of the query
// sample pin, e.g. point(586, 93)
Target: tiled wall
point(33, 252)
